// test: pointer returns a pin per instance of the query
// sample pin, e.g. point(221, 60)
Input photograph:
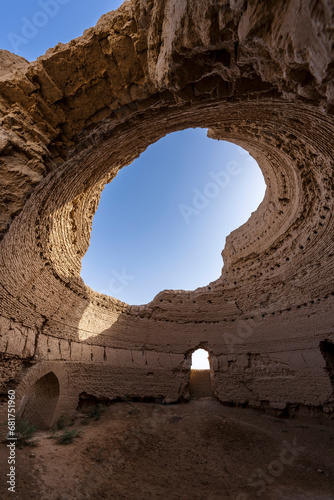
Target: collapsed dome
point(86, 109)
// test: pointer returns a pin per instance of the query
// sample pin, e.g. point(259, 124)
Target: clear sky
point(30, 27)
point(163, 221)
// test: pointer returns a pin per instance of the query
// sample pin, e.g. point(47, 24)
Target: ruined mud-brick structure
point(257, 73)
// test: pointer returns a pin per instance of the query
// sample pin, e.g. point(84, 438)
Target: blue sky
point(30, 27)
point(163, 221)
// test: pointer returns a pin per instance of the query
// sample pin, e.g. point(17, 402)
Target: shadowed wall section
point(200, 384)
point(39, 404)
point(71, 119)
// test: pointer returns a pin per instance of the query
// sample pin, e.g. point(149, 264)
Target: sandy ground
point(198, 450)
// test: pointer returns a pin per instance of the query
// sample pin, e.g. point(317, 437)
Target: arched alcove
point(38, 405)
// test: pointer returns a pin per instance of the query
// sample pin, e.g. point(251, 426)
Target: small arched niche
point(38, 405)
point(200, 385)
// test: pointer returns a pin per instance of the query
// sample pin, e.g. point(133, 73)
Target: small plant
point(68, 436)
point(61, 423)
point(24, 433)
point(95, 411)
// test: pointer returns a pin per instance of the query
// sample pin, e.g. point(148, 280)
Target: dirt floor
point(196, 450)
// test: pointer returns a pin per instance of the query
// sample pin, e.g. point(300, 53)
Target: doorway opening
point(200, 377)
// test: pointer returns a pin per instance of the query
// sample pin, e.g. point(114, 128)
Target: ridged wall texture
point(258, 73)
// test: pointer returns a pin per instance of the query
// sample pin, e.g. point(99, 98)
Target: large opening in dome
point(162, 222)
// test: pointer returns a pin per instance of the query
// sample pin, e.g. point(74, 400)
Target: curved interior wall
point(71, 119)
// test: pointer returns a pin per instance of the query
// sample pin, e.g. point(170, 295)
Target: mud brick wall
point(256, 73)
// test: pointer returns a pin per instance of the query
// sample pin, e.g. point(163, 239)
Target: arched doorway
point(39, 403)
point(200, 377)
